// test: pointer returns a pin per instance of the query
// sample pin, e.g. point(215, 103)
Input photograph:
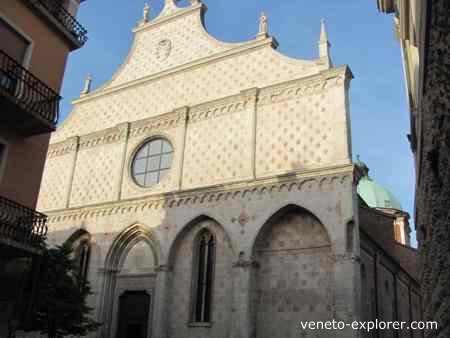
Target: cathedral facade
point(209, 191)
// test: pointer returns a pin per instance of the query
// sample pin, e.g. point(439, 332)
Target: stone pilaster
point(252, 95)
point(160, 302)
point(242, 325)
point(74, 146)
point(105, 312)
point(346, 299)
point(124, 130)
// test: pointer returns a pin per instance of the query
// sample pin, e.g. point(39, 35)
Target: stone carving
point(87, 85)
point(64, 147)
point(156, 202)
point(104, 137)
point(263, 25)
point(243, 218)
point(145, 13)
point(163, 49)
point(167, 121)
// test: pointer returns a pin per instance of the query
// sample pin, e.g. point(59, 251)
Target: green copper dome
point(374, 194)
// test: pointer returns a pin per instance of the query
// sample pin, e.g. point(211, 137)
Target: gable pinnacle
point(323, 31)
point(87, 85)
point(324, 45)
point(263, 26)
point(145, 13)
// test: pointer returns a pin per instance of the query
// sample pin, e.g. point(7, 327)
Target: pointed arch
point(76, 235)
point(203, 266)
point(203, 218)
point(126, 240)
point(81, 244)
point(201, 259)
point(277, 215)
point(294, 253)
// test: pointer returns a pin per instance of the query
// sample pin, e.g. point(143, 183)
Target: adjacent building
point(423, 30)
point(209, 191)
point(35, 40)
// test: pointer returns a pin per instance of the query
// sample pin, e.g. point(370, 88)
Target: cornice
point(63, 147)
point(158, 123)
point(216, 108)
point(335, 77)
point(301, 181)
point(107, 136)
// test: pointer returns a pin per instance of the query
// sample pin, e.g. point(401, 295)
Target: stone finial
point(263, 25)
point(87, 85)
point(323, 31)
point(145, 13)
point(324, 44)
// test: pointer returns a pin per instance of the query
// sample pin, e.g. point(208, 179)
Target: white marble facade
point(262, 160)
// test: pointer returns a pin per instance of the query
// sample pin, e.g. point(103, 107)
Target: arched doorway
point(129, 288)
point(133, 315)
point(294, 280)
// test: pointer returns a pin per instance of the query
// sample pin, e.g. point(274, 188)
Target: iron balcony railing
point(21, 224)
point(27, 91)
point(56, 9)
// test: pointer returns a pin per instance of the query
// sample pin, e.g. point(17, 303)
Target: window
point(80, 243)
point(13, 43)
point(82, 255)
point(152, 162)
point(203, 277)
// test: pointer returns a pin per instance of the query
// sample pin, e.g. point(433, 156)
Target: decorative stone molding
point(162, 122)
point(241, 190)
point(108, 270)
point(242, 263)
point(64, 147)
point(218, 108)
point(106, 136)
point(163, 50)
point(306, 86)
point(346, 257)
point(163, 268)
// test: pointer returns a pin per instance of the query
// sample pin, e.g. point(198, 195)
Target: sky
point(361, 37)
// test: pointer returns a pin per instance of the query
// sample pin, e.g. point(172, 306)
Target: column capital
point(242, 263)
point(163, 268)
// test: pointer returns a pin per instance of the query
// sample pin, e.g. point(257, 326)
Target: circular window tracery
point(151, 162)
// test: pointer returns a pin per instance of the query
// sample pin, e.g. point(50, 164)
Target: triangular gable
point(174, 62)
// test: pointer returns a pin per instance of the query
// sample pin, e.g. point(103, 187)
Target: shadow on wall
point(194, 272)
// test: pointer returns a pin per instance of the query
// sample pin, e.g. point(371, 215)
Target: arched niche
point(294, 279)
point(183, 279)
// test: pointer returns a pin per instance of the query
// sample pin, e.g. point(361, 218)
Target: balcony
point(21, 229)
point(28, 105)
point(62, 20)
